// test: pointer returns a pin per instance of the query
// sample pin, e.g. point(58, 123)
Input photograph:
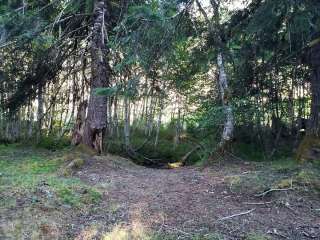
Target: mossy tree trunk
point(95, 123)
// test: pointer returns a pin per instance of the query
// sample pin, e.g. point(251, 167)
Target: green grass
point(24, 171)
point(283, 173)
point(285, 165)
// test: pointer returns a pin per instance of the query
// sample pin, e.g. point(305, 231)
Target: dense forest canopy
point(161, 81)
point(160, 119)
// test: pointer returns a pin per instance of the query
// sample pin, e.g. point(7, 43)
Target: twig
point(273, 190)
point(257, 203)
point(236, 215)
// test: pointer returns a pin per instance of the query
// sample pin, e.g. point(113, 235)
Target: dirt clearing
point(234, 200)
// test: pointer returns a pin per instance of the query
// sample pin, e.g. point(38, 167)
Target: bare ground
point(190, 201)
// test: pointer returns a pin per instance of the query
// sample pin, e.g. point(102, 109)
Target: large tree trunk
point(313, 128)
point(310, 145)
point(95, 124)
point(227, 133)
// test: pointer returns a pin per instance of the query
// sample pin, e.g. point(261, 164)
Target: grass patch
point(138, 232)
point(282, 174)
point(285, 165)
point(34, 200)
point(24, 172)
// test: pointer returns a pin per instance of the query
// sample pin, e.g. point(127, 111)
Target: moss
point(70, 156)
point(23, 172)
point(75, 164)
point(284, 183)
point(304, 150)
point(84, 149)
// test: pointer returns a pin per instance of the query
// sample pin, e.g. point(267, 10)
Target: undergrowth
point(164, 152)
point(24, 172)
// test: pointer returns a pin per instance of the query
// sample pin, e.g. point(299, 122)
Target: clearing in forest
point(68, 195)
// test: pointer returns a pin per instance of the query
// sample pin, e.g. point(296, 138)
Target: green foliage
point(251, 151)
point(164, 152)
point(106, 91)
point(53, 143)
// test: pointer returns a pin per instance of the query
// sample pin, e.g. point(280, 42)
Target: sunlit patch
point(88, 233)
point(35, 228)
point(175, 165)
point(136, 231)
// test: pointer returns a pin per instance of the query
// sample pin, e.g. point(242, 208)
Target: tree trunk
point(313, 128)
point(178, 129)
point(30, 120)
point(159, 121)
point(95, 124)
point(127, 123)
point(227, 133)
point(39, 113)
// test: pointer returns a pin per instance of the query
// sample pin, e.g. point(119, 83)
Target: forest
point(160, 119)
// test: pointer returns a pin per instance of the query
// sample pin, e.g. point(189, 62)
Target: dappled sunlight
point(18, 228)
point(175, 165)
point(88, 233)
point(136, 231)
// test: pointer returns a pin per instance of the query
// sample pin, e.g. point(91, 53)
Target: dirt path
point(189, 201)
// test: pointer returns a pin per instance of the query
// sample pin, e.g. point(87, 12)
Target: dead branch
point(273, 190)
point(257, 203)
point(187, 155)
point(235, 215)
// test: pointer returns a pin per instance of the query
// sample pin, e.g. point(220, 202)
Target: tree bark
point(127, 123)
point(313, 128)
point(227, 133)
point(39, 113)
point(159, 120)
point(214, 28)
point(95, 124)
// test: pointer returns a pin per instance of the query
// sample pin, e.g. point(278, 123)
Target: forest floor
point(109, 197)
